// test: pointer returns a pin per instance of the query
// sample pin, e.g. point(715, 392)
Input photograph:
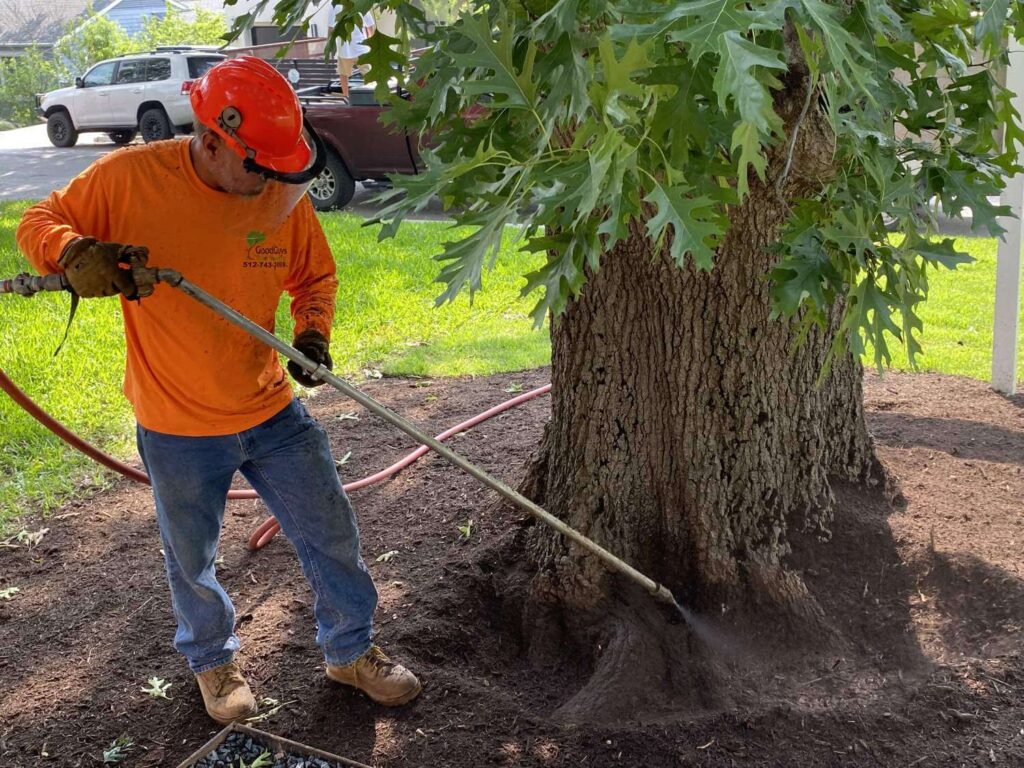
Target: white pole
point(1007, 311)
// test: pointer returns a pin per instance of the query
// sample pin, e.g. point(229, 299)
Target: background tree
point(206, 28)
point(20, 79)
point(86, 42)
point(732, 197)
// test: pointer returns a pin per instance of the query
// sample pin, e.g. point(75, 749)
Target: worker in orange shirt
point(227, 208)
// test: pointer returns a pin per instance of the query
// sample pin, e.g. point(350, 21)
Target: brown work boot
point(378, 677)
point(226, 694)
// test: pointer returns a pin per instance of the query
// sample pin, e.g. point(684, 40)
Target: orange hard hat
point(254, 110)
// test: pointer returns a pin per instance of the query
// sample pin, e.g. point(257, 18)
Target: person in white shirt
point(351, 49)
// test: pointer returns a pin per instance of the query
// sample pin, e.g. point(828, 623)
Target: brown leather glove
point(316, 347)
point(94, 269)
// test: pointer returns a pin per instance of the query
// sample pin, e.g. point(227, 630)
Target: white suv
point(145, 93)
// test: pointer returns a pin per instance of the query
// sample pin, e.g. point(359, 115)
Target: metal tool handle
point(29, 285)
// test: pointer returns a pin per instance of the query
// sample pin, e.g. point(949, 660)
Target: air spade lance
point(146, 278)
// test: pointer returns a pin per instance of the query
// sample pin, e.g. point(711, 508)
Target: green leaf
point(844, 52)
point(118, 750)
point(747, 140)
point(942, 253)
point(694, 222)
point(385, 62)
point(618, 81)
point(561, 276)
point(989, 30)
point(464, 259)
point(806, 274)
point(966, 189)
point(569, 75)
point(601, 157)
point(742, 75)
point(509, 86)
point(871, 312)
point(707, 22)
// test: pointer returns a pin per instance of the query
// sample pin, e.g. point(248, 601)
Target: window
point(199, 65)
point(266, 34)
point(131, 71)
point(101, 74)
point(159, 69)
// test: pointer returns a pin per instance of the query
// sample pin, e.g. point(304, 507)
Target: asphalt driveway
point(31, 167)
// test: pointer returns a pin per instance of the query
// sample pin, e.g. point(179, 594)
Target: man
point(227, 209)
point(350, 50)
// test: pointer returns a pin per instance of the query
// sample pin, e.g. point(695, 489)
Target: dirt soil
point(924, 597)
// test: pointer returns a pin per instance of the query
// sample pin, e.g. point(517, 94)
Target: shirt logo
point(257, 255)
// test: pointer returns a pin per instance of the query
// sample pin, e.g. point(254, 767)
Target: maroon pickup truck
point(359, 146)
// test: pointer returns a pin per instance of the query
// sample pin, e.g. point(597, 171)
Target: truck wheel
point(334, 187)
point(61, 130)
point(122, 137)
point(154, 125)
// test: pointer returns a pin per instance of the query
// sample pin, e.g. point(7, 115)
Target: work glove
point(93, 269)
point(315, 346)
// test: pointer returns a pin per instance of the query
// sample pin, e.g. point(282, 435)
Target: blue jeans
point(287, 460)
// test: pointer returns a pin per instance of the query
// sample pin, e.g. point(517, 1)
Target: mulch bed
point(926, 594)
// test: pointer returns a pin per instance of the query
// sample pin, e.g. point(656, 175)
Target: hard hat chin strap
point(229, 120)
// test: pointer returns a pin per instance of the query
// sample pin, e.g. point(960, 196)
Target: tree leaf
point(747, 140)
point(744, 65)
point(988, 32)
point(464, 259)
point(509, 87)
point(844, 52)
point(617, 81)
point(707, 21)
point(694, 223)
point(942, 253)
point(385, 62)
point(805, 274)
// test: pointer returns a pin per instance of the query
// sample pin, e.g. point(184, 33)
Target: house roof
point(27, 22)
point(23, 22)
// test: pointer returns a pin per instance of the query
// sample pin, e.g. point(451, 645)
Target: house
point(27, 23)
point(264, 31)
point(129, 14)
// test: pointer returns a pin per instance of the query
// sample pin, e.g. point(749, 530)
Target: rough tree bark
point(687, 434)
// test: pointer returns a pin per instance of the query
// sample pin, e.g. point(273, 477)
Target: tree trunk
point(688, 431)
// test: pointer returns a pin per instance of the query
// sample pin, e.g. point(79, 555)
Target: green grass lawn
point(386, 321)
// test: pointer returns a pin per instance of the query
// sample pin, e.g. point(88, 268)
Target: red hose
point(75, 441)
point(269, 527)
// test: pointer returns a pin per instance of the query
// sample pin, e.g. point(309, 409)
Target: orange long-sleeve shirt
point(188, 371)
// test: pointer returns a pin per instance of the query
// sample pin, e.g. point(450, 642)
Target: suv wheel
point(61, 130)
point(122, 137)
point(334, 187)
point(154, 125)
